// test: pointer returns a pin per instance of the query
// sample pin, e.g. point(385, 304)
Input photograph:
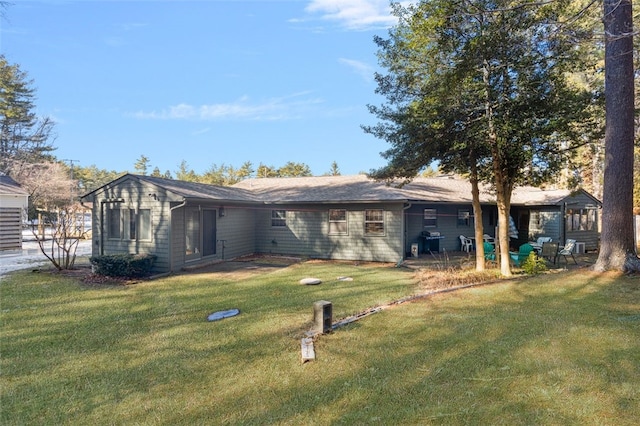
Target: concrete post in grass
point(322, 316)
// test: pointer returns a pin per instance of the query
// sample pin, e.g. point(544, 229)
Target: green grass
point(554, 349)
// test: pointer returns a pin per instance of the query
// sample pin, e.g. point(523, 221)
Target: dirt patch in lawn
point(245, 267)
point(84, 274)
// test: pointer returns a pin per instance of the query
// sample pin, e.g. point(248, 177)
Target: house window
point(113, 223)
point(581, 220)
point(144, 224)
point(278, 218)
point(192, 233)
point(430, 218)
point(137, 224)
point(338, 222)
point(132, 224)
point(464, 217)
point(374, 222)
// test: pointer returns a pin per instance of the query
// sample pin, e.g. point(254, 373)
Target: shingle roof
point(8, 186)
point(351, 189)
point(362, 189)
point(187, 190)
point(199, 190)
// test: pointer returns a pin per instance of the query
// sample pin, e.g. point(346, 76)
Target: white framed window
point(374, 222)
point(278, 218)
point(581, 220)
point(430, 218)
point(144, 225)
point(464, 217)
point(338, 222)
point(130, 224)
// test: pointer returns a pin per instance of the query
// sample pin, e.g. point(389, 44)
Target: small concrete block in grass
point(310, 281)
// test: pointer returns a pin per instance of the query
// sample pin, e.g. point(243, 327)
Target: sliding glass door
point(200, 232)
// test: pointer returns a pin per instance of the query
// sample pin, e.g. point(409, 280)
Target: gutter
point(334, 202)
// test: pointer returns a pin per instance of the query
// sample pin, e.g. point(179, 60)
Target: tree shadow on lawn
point(534, 351)
point(563, 348)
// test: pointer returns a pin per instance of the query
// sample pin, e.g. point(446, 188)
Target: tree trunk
point(503, 199)
point(477, 221)
point(503, 190)
point(617, 250)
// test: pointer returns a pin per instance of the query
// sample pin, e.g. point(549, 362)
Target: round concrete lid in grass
point(223, 314)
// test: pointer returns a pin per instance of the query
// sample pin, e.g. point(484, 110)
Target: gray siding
point(135, 196)
point(307, 233)
point(447, 225)
point(237, 228)
point(177, 238)
point(545, 223)
point(246, 229)
point(552, 221)
point(591, 238)
point(168, 226)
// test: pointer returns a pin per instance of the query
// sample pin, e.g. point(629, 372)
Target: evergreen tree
point(25, 138)
point(141, 165)
point(335, 170)
point(617, 249)
point(266, 171)
point(292, 169)
point(481, 86)
point(185, 173)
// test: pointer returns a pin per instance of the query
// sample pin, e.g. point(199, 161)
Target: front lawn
point(555, 349)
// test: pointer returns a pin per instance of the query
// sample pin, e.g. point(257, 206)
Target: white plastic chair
point(542, 240)
point(466, 243)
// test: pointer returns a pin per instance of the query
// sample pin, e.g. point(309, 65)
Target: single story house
point(328, 217)
point(13, 206)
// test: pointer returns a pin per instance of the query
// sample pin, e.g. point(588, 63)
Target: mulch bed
point(83, 274)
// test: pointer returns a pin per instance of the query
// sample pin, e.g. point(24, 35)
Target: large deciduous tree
point(481, 86)
point(25, 138)
point(617, 251)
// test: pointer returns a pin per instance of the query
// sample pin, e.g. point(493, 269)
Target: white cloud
point(364, 70)
point(285, 108)
point(201, 131)
point(354, 14)
point(122, 29)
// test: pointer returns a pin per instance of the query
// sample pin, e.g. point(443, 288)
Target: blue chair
point(489, 251)
point(522, 254)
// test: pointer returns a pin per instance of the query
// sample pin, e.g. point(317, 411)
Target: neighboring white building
point(13, 204)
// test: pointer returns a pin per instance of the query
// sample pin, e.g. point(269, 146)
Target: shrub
point(534, 265)
point(123, 265)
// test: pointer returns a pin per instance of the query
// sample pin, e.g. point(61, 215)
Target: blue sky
point(208, 82)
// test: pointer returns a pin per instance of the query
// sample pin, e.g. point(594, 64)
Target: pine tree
point(25, 138)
